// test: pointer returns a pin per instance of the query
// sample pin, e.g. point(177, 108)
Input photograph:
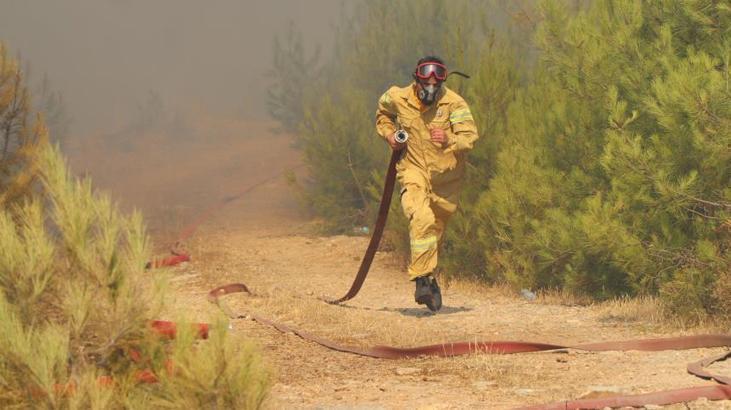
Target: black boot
point(428, 293)
point(436, 294)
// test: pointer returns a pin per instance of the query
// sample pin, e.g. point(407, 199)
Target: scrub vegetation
point(76, 301)
point(604, 165)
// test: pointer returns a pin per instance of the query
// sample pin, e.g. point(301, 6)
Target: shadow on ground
point(410, 311)
point(420, 312)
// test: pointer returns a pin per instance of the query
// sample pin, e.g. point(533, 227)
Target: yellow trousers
point(428, 213)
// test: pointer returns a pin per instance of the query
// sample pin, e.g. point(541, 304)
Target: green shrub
point(75, 300)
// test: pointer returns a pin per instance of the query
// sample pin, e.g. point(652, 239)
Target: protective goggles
point(428, 69)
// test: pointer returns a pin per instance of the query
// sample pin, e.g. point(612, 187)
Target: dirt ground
point(264, 240)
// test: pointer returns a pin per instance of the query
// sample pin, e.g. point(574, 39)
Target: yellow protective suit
point(430, 175)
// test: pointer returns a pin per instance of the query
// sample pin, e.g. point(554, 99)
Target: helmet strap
point(459, 73)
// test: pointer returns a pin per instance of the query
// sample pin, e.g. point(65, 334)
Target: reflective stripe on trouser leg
point(423, 256)
point(425, 251)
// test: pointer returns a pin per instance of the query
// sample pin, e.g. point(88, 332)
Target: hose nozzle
point(401, 136)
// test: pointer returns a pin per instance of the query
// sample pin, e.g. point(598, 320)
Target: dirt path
point(265, 242)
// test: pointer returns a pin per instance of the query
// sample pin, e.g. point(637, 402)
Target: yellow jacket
point(425, 162)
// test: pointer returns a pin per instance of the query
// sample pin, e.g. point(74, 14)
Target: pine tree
point(20, 133)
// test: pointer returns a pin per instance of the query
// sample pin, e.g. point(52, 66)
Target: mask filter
point(428, 93)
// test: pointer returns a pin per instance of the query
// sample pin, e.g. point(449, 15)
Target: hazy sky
point(105, 56)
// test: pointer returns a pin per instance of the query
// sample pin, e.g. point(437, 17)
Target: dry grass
point(650, 310)
point(631, 310)
point(475, 287)
point(492, 369)
point(562, 297)
point(640, 310)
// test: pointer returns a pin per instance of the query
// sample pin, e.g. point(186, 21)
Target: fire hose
point(721, 391)
point(370, 252)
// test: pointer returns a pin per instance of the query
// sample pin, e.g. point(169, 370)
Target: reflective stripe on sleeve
point(460, 115)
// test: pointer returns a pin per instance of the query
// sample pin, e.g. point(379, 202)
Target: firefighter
point(441, 130)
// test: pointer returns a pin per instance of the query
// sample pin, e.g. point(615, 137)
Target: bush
point(76, 301)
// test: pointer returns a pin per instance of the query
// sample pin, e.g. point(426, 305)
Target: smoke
point(106, 57)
